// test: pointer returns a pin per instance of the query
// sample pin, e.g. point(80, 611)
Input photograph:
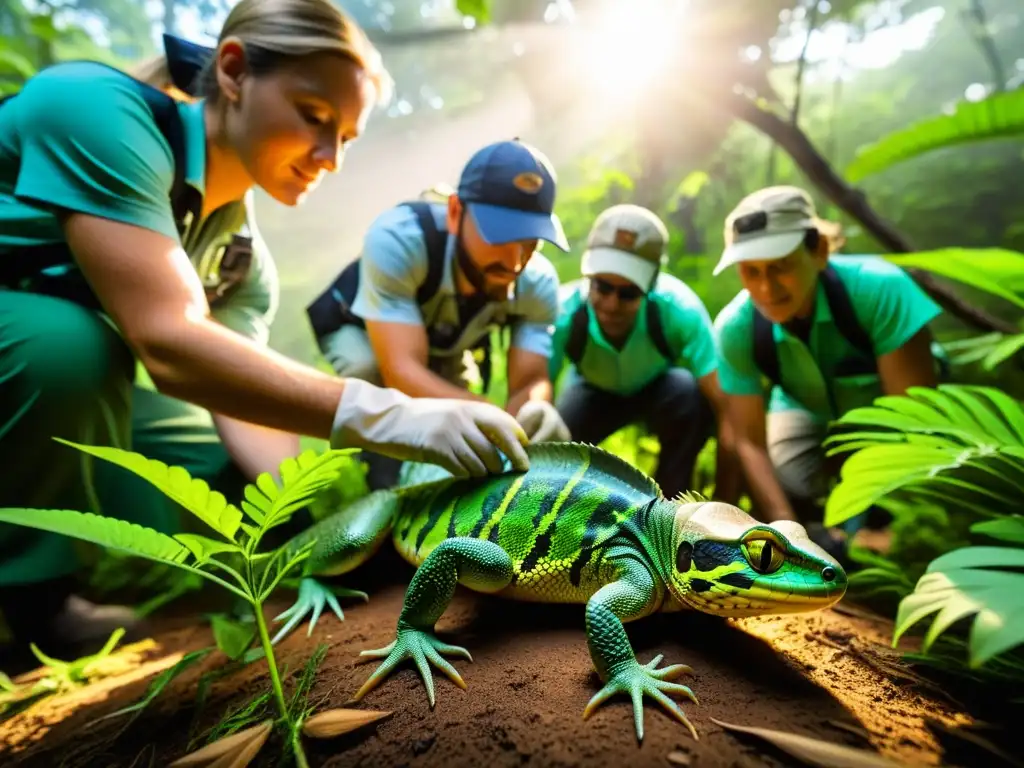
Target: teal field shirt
point(78, 137)
point(625, 371)
point(890, 306)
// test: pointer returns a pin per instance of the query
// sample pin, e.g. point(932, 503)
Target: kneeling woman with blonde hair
point(115, 249)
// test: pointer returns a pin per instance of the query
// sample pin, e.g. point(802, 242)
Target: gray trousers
point(803, 471)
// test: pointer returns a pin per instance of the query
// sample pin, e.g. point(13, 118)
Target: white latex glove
point(542, 422)
point(462, 436)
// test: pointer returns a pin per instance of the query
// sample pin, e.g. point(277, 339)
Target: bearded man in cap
point(437, 275)
point(811, 336)
point(640, 348)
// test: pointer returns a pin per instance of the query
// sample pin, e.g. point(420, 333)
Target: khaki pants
point(794, 447)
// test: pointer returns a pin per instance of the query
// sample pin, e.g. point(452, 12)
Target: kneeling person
point(827, 334)
point(641, 347)
point(433, 280)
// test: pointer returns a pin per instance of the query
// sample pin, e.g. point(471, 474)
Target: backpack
point(579, 334)
point(766, 355)
point(21, 267)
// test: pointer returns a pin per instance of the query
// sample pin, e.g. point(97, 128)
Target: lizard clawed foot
point(420, 646)
point(637, 680)
point(313, 596)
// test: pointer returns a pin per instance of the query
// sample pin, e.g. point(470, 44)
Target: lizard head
point(727, 563)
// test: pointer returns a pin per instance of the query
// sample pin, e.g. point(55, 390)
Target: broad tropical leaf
point(1009, 529)
point(999, 116)
point(105, 531)
point(301, 479)
point(192, 493)
point(988, 269)
point(960, 445)
point(984, 582)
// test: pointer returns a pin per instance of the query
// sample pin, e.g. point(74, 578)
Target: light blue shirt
point(394, 265)
point(684, 320)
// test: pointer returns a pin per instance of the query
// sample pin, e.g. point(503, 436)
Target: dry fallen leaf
point(678, 758)
point(234, 751)
point(815, 751)
point(334, 722)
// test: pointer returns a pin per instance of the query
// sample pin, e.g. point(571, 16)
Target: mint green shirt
point(890, 306)
point(78, 137)
point(685, 322)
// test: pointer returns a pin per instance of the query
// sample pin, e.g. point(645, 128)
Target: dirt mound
point(530, 678)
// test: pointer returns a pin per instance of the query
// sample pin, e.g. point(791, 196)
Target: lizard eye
point(684, 556)
point(764, 556)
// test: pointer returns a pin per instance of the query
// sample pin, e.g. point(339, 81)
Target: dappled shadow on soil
point(529, 680)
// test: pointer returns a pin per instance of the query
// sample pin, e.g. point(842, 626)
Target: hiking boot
point(80, 622)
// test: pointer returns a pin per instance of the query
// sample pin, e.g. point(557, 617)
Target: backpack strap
point(436, 241)
point(846, 322)
point(657, 332)
point(843, 313)
point(333, 308)
point(765, 355)
point(579, 332)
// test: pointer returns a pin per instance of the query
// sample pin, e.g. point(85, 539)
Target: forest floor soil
point(830, 675)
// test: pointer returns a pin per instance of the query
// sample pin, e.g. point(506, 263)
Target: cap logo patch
point(625, 239)
point(528, 182)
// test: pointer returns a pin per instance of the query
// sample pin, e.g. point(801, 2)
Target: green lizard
point(580, 526)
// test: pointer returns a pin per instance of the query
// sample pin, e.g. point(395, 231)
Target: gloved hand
point(462, 436)
point(542, 422)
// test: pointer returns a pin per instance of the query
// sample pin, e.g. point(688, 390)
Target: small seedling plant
point(234, 559)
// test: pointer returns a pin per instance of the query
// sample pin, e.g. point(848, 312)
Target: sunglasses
point(625, 292)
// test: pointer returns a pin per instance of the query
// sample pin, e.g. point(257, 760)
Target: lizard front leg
point(342, 542)
point(630, 597)
point(480, 565)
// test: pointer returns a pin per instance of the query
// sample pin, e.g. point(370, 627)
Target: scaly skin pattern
point(580, 526)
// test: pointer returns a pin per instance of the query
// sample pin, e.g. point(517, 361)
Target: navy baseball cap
point(185, 60)
point(509, 188)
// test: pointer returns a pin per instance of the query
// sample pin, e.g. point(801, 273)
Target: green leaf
point(232, 637)
point(114, 534)
point(1000, 115)
point(961, 445)
point(1003, 351)
point(302, 478)
point(968, 582)
point(104, 531)
point(982, 268)
point(1010, 529)
point(204, 548)
point(480, 10)
point(192, 493)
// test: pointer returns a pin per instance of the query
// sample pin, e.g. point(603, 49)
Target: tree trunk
point(854, 202)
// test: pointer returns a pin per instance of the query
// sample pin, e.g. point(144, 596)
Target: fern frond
point(112, 533)
point(175, 482)
point(302, 478)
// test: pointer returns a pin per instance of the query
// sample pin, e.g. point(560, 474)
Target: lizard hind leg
point(482, 566)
